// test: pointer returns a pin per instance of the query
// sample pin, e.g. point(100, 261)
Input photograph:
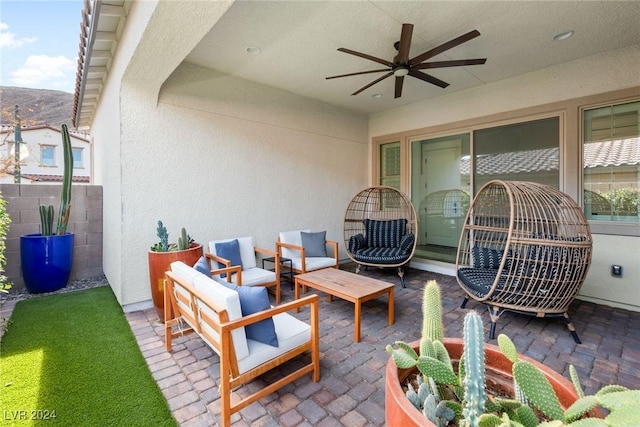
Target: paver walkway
point(351, 388)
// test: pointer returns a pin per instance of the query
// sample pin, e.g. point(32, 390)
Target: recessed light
point(563, 36)
point(252, 50)
point(376, 95)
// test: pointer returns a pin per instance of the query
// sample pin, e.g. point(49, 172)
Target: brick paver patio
point(351, 388)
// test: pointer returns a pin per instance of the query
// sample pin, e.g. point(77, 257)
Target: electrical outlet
point(616, 270)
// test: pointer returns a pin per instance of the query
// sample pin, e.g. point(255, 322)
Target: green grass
point(73, 356)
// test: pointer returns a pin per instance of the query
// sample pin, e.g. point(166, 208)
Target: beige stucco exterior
point(227, 157)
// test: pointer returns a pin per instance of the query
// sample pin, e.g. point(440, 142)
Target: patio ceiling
point(298, 42)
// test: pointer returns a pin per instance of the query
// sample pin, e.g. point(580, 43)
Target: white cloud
point(40, 69)
point(10, 40)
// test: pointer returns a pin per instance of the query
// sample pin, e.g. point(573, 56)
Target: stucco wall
point(225, 157)
point(606, 72)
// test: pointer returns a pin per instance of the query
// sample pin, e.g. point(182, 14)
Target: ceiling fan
point(402, 65)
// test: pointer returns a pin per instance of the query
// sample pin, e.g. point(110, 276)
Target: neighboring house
point(192, 130)
point(42, 157)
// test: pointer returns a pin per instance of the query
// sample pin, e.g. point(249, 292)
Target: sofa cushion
point(228, 299)
point(314, 244)
point(202, 266)
point(253, 300)
point(384, 234)
point(291, 333)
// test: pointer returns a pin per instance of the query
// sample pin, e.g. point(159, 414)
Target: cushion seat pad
point(382, 255)
point(255, 276)
point(313, 263)
point(291, 333)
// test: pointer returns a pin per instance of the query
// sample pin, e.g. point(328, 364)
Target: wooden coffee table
point(348, 286)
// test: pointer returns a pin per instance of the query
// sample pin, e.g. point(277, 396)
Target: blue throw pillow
point(229, 250)
point(252, 300)
point(203, 266)
point(314, 244)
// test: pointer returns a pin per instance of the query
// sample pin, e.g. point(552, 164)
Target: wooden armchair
point(306, 250)
point(226, 253)
point(213, 311)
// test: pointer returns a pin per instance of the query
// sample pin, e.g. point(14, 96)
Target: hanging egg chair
point(380, 228)
point(525, 248)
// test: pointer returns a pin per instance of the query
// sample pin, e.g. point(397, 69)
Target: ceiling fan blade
point(405, 44)
point(399, 82)
point(389, 74)
point(427, 78)
point(357, 74)
point(455, 63)
point(444, 47)
point(365, 56)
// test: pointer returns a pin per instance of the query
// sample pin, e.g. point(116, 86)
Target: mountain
point(37, 106)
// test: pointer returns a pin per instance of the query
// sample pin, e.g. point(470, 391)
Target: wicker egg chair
point(380, 228)
point(525, 248)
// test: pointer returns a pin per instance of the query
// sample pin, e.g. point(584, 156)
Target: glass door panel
point(440, 193)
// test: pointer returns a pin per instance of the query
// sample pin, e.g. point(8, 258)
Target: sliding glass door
point(440, 193)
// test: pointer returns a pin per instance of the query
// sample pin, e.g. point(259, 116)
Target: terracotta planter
point(159, 263)
point(400, 412)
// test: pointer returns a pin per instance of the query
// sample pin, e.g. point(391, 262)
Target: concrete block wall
point(85, 222)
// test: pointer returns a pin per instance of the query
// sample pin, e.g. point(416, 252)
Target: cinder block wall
point(85, 222)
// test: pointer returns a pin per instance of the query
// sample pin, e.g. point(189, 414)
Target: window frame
point(53, 159)
point(614, 228)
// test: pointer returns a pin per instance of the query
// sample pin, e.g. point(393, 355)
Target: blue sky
point(39, 43)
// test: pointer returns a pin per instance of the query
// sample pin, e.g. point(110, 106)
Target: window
point(528, 151)
point(47, 155)
point(611, 162)
point(390, 165)
point(77, 157)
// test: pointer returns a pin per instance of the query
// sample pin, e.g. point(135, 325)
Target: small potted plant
point(436, 394)
point(47, 257)
point(161, 255)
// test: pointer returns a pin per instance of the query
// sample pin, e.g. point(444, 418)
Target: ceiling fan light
point(400, 72)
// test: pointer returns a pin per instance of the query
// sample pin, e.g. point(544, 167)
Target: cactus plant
point(184, 241)
point(46, 213)
point(443, 395)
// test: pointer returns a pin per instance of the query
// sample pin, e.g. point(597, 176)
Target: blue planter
point(46, 261)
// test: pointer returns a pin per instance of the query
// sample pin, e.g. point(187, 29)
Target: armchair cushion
point(229, 250)
point(292, 238)
point(356, 243)
point(314, 244)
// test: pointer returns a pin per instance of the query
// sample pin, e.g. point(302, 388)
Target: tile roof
point(53, 178)
point(618, 152)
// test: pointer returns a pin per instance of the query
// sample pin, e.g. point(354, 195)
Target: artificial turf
point(71, 359)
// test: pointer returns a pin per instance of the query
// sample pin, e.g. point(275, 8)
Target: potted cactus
point(47, 257)
point(447, 381)
point(161, 255)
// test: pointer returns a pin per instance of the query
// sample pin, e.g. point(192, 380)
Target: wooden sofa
point(195, 302)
